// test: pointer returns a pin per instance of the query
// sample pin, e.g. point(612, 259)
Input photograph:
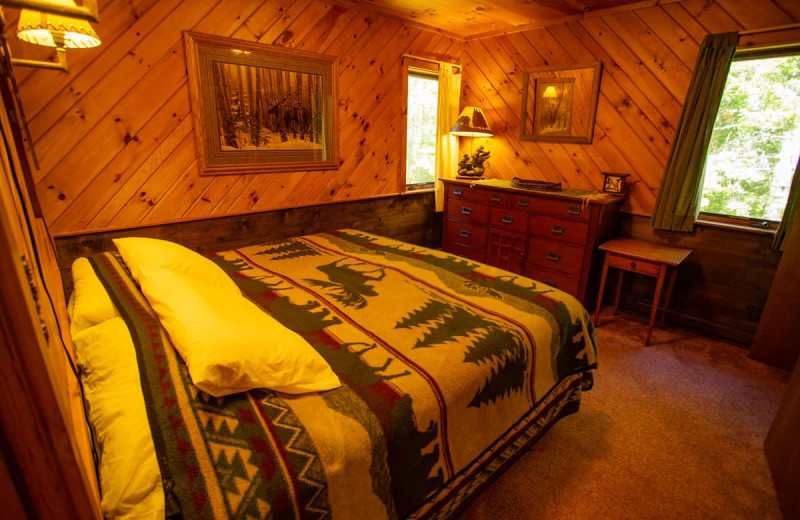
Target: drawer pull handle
point(497, 198)
point(574, 210)
point(551, 284)
point(508, 220)
point(466, 211)
point(553, 256)
point(633, 265)
point(558, 230)
point(523, 202)
point(464, 233)
point(456, 191)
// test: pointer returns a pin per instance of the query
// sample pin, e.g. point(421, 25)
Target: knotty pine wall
point(648, 56)
point(115, 137)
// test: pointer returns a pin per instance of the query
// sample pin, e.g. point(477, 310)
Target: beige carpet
point(670, 431)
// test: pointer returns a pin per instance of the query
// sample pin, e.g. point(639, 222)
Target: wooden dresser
point(551, 237)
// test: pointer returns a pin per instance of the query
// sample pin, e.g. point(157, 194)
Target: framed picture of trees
point(261, 108)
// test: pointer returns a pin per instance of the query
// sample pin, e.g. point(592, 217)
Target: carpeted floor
point(670, 431)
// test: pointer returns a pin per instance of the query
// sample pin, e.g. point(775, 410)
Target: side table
point(639, 256)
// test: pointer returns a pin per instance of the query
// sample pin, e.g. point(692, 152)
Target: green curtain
point(790, 212)
point(679, 197)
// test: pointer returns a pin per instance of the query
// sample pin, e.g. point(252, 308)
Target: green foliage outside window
point(423, 94)
point(756, 140)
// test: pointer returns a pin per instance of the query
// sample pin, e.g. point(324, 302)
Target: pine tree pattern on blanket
point(448, 367)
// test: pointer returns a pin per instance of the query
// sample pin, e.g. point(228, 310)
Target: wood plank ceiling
point(477, 18)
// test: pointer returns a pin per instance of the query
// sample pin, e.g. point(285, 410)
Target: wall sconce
point(472, 123)
point(55, 23)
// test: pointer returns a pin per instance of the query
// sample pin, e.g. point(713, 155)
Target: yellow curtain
point(446, 144)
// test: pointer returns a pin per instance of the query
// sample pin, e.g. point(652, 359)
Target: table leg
point(602, 288)
point(673, 273)
point(619, 290)
point(656, 299)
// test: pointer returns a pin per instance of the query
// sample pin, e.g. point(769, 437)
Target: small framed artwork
point(261, 108)
point(614, 182)
point(560, 104)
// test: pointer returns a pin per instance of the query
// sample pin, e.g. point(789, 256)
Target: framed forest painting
point(261, 108)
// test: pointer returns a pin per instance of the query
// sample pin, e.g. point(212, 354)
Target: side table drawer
point(561, 281)
point(467, 210)
point(558, 256)
point(508, 219)
point(466, 234)
point(559, 229)
point(633, 264)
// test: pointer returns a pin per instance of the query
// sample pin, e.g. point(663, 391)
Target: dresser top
point(597, 197)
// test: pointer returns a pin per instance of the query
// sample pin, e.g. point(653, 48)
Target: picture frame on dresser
point(261, 108)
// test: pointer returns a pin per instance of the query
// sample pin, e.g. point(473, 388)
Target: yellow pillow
point(129, 476)
point(228, 343)
point(140, 253)
point(89, 303)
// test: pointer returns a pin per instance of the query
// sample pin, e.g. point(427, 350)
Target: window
point(755, 144)
point(422, 109)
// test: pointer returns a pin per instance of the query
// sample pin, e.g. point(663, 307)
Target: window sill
point(419, 188)
point(735, 226)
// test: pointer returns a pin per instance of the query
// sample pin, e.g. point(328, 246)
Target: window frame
point(735, 221)
point(413, 67)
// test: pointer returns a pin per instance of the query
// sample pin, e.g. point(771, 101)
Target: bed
point(431, 374)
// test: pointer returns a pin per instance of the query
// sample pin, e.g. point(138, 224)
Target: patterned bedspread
point(448, 366)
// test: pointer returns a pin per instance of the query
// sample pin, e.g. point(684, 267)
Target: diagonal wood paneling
point(115, 137)
point(648, 56)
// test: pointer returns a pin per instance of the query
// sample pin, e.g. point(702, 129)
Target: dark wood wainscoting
point(408, 217)
point(722, 286)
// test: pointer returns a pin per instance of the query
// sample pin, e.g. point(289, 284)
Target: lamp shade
point(471, 123)
point(55, 30)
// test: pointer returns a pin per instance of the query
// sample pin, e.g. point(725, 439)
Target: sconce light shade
point(55, 30)
point(471, 123)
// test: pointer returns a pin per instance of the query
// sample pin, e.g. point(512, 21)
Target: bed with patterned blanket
point(448, 369)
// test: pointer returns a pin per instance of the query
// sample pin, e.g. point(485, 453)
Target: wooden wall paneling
point(677, 38)
point(790, 7)
point(168, 126)
point(136, 210)
point(66, 119)
point(653, 52)
point(123, 187)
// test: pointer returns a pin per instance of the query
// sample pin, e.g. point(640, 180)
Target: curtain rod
point(770, 29)
point(432, 60)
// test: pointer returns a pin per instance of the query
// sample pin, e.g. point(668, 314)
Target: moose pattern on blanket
point(443, 362)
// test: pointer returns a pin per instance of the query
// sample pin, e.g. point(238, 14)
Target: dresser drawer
point(489, 197)
point(630, 264)
point(558, 256)
point(508, 219)
point(468, 210)
point(562, 208)
point(466, 252)
point(561, 281)
point(559, 229)
point(466, 234)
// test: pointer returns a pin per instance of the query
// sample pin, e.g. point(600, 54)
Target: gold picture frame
point(261, 108)
point(559, 105)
